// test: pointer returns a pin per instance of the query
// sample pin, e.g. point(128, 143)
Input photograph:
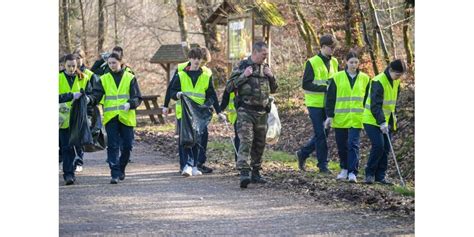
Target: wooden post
point(167, 69)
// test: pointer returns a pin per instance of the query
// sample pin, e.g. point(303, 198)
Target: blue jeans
point(377, 163)
point(67, 153)
point(318, 141)
point(79, 156)
point(236, 141)
point(347, 140)
point(119, 138)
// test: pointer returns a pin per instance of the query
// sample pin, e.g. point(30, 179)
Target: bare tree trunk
point(116, 39)
point(309, 28)
point(204, 8)
point(66, 27)
point(347, 11)
point(367, 41)
point(378, 31)
point(182, 25)
point(304, 35)
point(406, 36)
point(84, 31)
point(390, 30)
point(101, 27)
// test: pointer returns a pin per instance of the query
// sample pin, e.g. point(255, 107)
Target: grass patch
point(167, 127)
point(404, 191)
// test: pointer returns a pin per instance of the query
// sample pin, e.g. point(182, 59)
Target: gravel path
point(154, 200)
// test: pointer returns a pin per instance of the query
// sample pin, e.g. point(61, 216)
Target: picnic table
point(152, 108)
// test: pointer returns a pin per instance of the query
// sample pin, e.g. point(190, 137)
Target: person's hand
point(267, 71)
point(164, 111)
point(384, 128)
point(76, 95)
point(328, 123)
point(179, 94)
point(248, 71)
point(222, 117)
point(126, 107)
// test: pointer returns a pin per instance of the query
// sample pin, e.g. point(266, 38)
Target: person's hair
point(206, 55)
point(116, 56)
point(73, 57)
point(327, 40)
point(398, 65)
point(118, 49)
point(195, 53)
point(351, 54)
point(258, 46)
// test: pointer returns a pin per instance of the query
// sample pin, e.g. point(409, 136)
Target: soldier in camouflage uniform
point(252, 82)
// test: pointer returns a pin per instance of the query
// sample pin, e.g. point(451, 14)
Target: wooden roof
point(266, 13)
point(170, 53)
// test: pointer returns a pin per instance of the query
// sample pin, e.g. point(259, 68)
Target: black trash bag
point(99, 136)
point(80, 133)
point(194, 121)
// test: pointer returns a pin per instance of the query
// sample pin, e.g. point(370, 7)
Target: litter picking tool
point(395, 159)
point(231, 139)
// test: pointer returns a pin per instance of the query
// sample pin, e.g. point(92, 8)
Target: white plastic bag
point(273, 126)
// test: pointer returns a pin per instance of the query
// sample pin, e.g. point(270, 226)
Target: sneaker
point(196, 171)
point(352, 178)
point(256, 177)
point(384, 182)
point(122, 176)
point(69, 181)
point(187, 171)
point(204, 169)
point(342, 175)
point(79, 168)
point(369, 179)
point(301, 161)
point(244, 178)
point(114, 181)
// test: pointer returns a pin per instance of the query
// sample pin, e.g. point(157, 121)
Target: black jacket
point(135, 94)
point(194, 75)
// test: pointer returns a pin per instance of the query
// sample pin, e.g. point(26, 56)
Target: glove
point(222, 117)
point(76, 95)
point(126, 107)
point(328, 123)
point(179, 94)
point(164, 111)
point(384, 128)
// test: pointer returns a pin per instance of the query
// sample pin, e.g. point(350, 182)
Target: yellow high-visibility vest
point(321, 76)
point(115, 98)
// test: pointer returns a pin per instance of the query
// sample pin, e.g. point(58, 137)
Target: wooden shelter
point(259, 13)
point(168, 55)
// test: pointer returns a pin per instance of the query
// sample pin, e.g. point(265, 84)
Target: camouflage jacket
point(254, 90)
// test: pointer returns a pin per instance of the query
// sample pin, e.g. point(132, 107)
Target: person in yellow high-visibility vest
point(195, 82)
point(227, 102)
point(71, 81)
point(318, 70)
point(345, 100)
point(206, 58)
point(379, 117)
point(122, 96)
point(90, 78)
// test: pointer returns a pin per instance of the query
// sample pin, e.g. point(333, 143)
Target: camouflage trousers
point(252, 131)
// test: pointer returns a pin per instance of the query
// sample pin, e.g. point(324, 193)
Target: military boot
point(244, 178)
point(256, 177)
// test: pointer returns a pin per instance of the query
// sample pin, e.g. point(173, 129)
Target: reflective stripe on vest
point(321, 75)
point(65, 88)
point(197, 92)
point(349, 105)
point(390, 95)
point(115, 99)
